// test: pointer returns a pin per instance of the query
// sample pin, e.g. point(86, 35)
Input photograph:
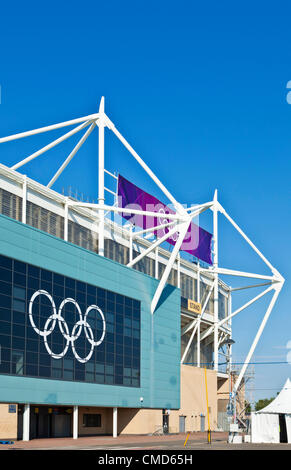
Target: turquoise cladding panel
point(160, 333)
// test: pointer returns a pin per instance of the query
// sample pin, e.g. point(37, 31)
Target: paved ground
point(196, 441)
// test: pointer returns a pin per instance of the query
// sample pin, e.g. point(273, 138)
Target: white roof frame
point(180, 220)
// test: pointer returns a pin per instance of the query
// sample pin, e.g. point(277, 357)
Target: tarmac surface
point(196, 441)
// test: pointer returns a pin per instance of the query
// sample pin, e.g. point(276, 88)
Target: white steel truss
point(178, 222)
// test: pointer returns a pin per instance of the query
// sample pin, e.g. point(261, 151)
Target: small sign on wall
point(194, 306)
point(11, 408)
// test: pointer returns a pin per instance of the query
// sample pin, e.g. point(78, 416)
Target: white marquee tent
point(268, 424)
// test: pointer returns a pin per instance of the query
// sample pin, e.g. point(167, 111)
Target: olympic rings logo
point(77, 329)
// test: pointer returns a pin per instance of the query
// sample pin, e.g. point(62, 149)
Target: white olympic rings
point(77, 329)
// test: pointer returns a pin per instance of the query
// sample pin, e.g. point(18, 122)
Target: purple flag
point(197, 241)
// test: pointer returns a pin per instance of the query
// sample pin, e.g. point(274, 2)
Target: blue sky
point(198, 90)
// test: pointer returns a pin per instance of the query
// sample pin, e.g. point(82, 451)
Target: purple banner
point(197, 241)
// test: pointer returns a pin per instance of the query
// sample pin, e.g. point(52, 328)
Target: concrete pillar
point(157, 263)
point(75, 422)
point(115, 422)
point(179, 271)
point(24, 199)
point(101, 196)
point(215, 289)
point(66, 220)
point(26, 420)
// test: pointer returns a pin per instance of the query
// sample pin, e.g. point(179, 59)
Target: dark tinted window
point(29, 296)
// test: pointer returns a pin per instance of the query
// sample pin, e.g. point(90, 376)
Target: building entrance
point(182, 427)
point(283, 428)
point(165, 422)
point(202, 422)
point(46, 422)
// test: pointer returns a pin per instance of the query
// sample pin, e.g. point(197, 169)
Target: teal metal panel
point(160, 333)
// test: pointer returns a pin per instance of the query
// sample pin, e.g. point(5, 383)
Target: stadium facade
point(92, 341)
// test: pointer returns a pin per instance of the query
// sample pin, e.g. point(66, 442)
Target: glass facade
point(204, 291)
point(188, 287)
point(56, 327)
point(222, 306)
point(10, 205)
point(44, 220)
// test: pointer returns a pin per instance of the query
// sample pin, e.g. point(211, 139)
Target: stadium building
point(104, 330)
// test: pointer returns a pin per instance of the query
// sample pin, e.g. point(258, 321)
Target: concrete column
point(157, 263)
point(215, 289)
point(26, 420)
point(101, 197)
point(24, 199)
point(115, 422)
point(75, 422)
point(66, 220)
point(130, 244)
